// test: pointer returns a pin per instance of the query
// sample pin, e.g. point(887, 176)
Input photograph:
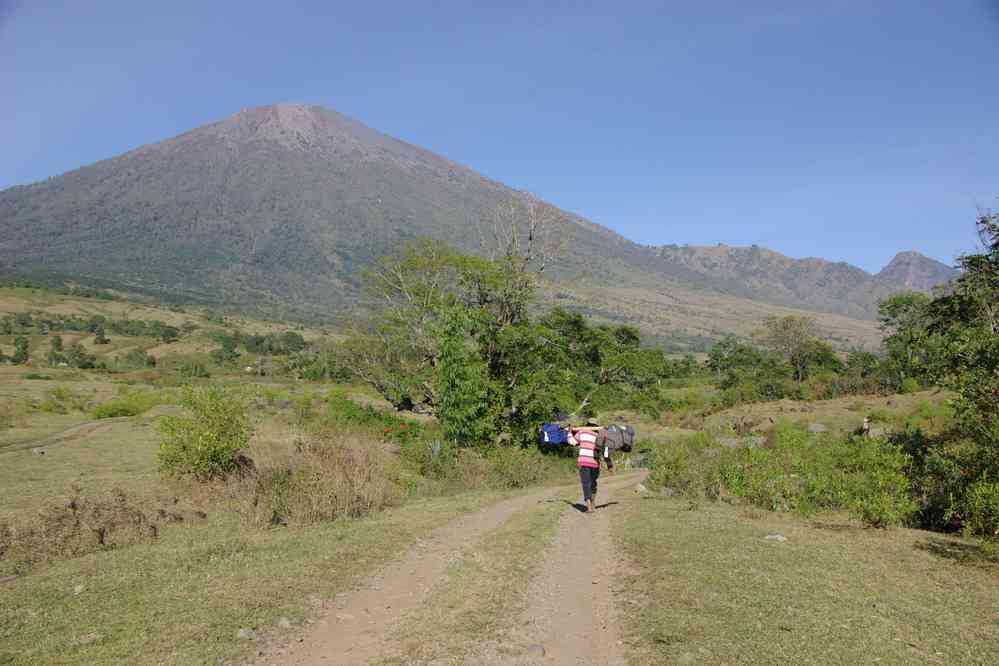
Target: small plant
point(209, 443)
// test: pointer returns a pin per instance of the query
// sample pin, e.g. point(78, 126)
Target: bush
point(796, 472)
point(982, 510)
point(685, 466)
point(130, 404)
point(877, 483)
point(909, 385)
point(210, 442)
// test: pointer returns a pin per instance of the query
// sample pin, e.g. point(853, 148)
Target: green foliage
point(210, 442)
point(21, 353)
point(955, 341)
point(795, 472)
point(454, 335)
point(461, 391)
point(78, 357)
point(982, 509)
point(683, 467)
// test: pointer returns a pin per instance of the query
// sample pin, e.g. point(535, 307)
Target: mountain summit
point(277, 209)
point(915, 271)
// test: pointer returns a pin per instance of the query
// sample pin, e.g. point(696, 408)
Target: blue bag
point(552, 434)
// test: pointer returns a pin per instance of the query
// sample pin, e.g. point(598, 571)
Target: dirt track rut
point(358, 626)
point(570, 608)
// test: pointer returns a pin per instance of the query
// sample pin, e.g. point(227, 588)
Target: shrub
point(909, 385)
point(35, 375)
point(686, 466)
point(982, 510)
point(796, 472)
point(877, 483)
point(210, 442)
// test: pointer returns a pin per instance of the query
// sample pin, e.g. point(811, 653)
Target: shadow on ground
point(582, 507)
point(972, 554)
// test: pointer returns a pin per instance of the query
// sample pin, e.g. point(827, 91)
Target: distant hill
point(276, 210)
point(911, 270)
point(761, 274)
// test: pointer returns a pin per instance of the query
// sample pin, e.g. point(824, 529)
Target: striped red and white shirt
point(586, 440)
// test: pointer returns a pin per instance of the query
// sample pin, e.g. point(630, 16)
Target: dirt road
point(570, 617)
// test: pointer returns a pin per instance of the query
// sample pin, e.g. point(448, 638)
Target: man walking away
point(592, 448)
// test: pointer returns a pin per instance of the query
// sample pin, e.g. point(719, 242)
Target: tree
point(909, 345)
point(461, 391)
point(967, 318)
point(792, 338)
point(729, 353)
point(77, 357)
point(21, 353)
point(226, 354)
point(55, 352)
point(961, 478)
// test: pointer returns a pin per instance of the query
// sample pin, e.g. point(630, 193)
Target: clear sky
point(842, 129)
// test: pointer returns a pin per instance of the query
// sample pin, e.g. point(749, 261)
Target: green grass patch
point(705, 586)
point(35, 375)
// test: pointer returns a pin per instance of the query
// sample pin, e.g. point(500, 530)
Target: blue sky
point(842, 129)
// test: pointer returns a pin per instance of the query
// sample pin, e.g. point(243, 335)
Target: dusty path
point(570, 610)
point(358, 625)
point(571, 618)
point(71, 434)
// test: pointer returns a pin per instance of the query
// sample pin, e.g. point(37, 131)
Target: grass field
point(705, 585)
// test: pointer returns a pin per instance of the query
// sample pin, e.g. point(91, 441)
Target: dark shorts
point(588, 477)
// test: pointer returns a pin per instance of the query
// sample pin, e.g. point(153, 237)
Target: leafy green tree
point(910, 347)
point(77, 357)
point(55, 352)
point(968, 320)
point(21, 353)
point(226, 354)
point(461, 391)
point(957, 472)
point(729, 353)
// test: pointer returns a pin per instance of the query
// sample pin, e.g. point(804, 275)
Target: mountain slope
point(761, 274)
point(277, 209)
point(911, 270)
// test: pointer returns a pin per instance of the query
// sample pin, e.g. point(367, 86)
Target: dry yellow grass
point(675, 311)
